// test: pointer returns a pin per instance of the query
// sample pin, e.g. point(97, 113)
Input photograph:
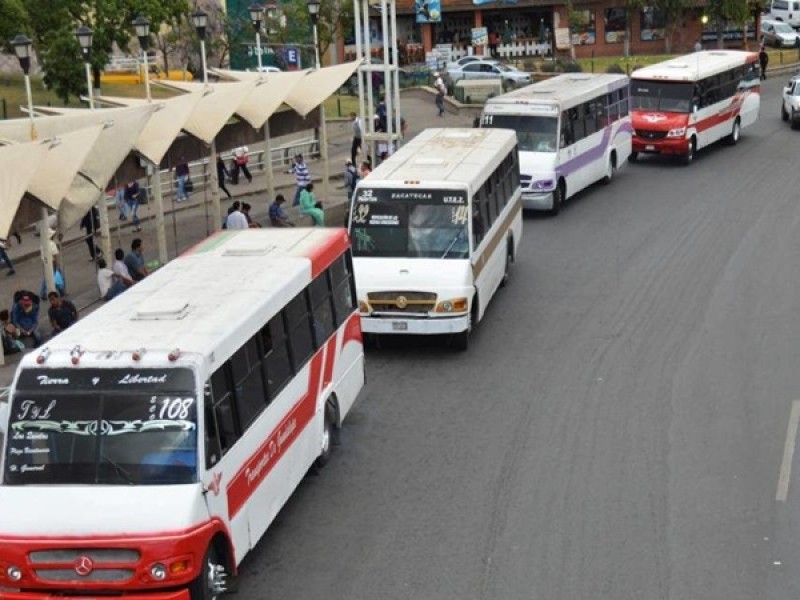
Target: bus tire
point(328, 436)
point(733, 138)
point(610, 168)
point(509, 260)
point(794, 120)
point(689, 156)
point(558, 197)
point(203, 588)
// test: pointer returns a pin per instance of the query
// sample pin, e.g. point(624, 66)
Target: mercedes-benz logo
point(83, 565)
point(655, 118)
point(402, 302)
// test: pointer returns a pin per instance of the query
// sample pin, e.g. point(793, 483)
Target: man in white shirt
point(110, 285)
point(120, 269)
point(236, 218)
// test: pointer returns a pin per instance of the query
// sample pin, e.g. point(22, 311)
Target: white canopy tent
point(20, 164)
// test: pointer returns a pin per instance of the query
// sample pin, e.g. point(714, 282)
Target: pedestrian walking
point(302, 177)
point(222, 173)
point(182, 176)
point(240, 160)
point(309, 206)
point(355, 146)
point(277, 215)
point(763, 59)
point(133, 196)
point(441, 90)
point(90, 223)
point(5, 259)
point(62, 313)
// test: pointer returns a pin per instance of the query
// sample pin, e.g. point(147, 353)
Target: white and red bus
point(684, 104)
point(149, 446)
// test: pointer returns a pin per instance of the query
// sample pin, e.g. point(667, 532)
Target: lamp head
point(704, 19)
point(22, 48)
point(84, 35)
point(142, 27)
point(313, 10)
point(256, 15)
point(200, 22)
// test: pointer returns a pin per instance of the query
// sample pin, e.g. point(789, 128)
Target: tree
point(13, 20)
point(53, 22)
point(722, 11)
point(631, 8)
point(674, 12)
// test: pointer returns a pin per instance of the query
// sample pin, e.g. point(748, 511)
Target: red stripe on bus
point(352, 330)
point(324, 255)
point(263, 460)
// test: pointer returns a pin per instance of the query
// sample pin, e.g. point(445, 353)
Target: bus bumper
point(399, 325)
point(537, 201)
point(49, 595)
point(665, 146)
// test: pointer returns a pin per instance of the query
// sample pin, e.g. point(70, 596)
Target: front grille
point(98, 574)
point(106, 565)
point(646, 134)
point(402, 302)
point(98, 555)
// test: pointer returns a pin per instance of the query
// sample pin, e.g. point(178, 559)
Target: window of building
point(653, 24)
point(614, 25)
point(582, 26)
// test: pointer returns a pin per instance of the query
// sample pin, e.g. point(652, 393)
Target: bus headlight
point(452, 305)
point(158, 572)
point(543, 184)
point(363, 307)
point(14, 573)
point(677, 133)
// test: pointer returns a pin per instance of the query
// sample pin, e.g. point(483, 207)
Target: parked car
point(465, 60)
point(487, 70)
point(790, 104)
point(779, 34)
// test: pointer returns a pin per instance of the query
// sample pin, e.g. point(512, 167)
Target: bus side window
point(213, 450)
point(300, 338)
point(274, 343)
point(477, 226)
point(223, 409)
point(322, 311)
point(566, 130)
point(251, 397)
point(341, 282)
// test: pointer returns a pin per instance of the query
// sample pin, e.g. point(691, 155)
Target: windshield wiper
point(121, 471)
point(453, 243)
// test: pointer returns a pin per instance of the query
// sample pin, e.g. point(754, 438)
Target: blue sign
point(292, 57)
point(428, 11)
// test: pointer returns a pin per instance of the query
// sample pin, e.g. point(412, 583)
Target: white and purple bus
point(572, 130)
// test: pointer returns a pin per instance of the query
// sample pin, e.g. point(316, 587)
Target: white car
point(790, 105)
point(465, 60)
point(778, 34)
point(489, 70)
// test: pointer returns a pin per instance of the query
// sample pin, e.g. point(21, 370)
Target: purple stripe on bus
point(592, 154)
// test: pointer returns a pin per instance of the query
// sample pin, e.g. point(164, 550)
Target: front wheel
point(558, 198)
point(795, 124)
point(460, 341)
point(506, 272)
point(210, 584)
point(689, 156)
point(327, 441)
point(610, 168)
point(736, 132)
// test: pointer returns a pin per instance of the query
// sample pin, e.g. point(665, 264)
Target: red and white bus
point(149, 446)
point(683, 104)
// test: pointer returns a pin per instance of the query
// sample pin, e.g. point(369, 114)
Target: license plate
point(399, 326)
point(651, 147)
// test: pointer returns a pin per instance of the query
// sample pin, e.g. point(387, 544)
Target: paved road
point(615, 430)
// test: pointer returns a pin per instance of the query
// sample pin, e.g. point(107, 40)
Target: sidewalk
point(189, 222)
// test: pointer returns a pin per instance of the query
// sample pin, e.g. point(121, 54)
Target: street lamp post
point(256, 16)
point(200, 22)
point(22, 48)
point(313, 13)
point(85, 37)
point(142, 27)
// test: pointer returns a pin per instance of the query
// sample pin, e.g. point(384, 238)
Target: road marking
point(788, 452)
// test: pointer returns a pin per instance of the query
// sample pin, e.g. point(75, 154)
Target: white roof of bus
point(566, 90)
point(695, 66)
point(230, 283)
point(446, 156)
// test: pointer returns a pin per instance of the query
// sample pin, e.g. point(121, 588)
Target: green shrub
point(547, 67)
point(615, 68)
point(570, 66)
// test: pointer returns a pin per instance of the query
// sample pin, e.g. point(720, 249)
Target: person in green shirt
point(310, 207)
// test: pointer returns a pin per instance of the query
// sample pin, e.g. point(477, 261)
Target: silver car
point(778, 34)
point(489, 70)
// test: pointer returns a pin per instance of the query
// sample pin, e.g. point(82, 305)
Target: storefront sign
point(562, 38)
point(428, 11)
point(480, 36)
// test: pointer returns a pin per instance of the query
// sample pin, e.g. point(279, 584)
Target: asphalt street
point(616, 429)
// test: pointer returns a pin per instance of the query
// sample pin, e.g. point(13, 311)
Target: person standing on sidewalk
point(132, 199)
point(182, 175)
point(240, 160)
point(302, 177)
point(763, 59)
point(222, 174)
point(441, 90)
point(4, 258)
point(355, 147)
point(91, 224)
point(309, 206)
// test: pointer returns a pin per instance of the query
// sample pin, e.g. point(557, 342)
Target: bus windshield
point(534, 133)
point(410, 223)
point(667, 96)
point(102, 426)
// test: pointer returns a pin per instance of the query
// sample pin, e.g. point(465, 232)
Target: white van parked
point(787, 11)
